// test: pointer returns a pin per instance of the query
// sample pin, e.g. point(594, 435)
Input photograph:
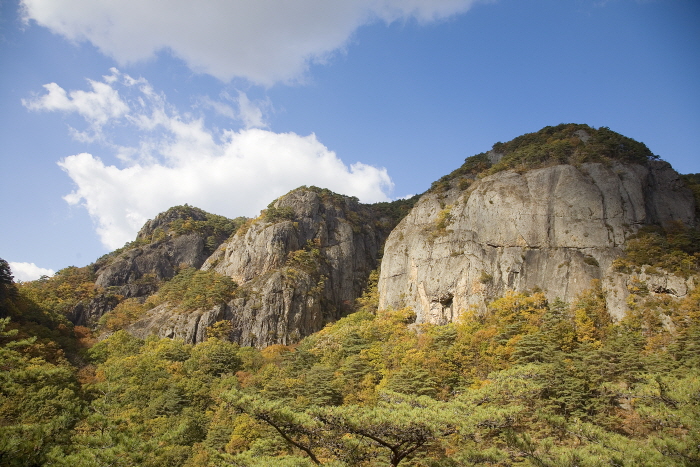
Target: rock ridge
point(301, 264)
point(555, 228)
point(178, 238)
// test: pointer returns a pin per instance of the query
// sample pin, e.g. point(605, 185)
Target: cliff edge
point(499, 224)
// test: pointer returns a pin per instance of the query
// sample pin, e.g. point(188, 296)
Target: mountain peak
point(566, 143)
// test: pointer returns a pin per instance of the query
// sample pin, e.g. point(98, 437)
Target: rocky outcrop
point(555, 228)
point(281, 307)
point(183, 236)
point(191, 327)
point(647, 281)
point(167, 221)
point(300, 265)
point(138, 272)
point(550, 210)
point(157, 261)
point(177, 238)
point(88, 314)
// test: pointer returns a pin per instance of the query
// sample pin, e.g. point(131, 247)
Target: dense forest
point(529, 382)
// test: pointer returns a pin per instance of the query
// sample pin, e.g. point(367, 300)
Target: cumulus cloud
point(29, 271)
point(179, 160)
point(264, 41)
point(97, 107)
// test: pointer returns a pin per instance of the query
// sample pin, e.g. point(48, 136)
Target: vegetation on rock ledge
point(674, 248)
point(567, 143)
point(181, 220)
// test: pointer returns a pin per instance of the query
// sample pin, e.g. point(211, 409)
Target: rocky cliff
point(552, 210)
point(164, 321)
point(183, 236)
point(299, 265)
point(556, 228)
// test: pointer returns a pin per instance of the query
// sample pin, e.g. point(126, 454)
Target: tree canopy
point(527, 382)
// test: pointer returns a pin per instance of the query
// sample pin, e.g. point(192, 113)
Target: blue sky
point(111, 112)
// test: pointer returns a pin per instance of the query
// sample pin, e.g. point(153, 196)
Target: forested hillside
point(526, 383)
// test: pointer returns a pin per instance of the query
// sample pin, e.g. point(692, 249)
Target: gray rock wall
point(157, 255)
point(280, 307)
point(555, 228)
point(138, 272)
point(280, 301)
point(164, 321)
point(161, 260)
point(336, 242)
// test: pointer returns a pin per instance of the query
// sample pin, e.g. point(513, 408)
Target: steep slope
point(549, 210)
point(183, 236)
point(298, 266)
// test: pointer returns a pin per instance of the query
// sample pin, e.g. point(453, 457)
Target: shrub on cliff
point(192, 289)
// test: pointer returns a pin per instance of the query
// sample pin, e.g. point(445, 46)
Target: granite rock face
point(88, 314)
point(300, 265)
point(164, 321)
point(556, 212)
point(156, 255)
point(280, 307)
point(159, 261)
point(554, 228)
point(138, 272)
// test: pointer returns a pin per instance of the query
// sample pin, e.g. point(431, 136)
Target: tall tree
point(7, 285)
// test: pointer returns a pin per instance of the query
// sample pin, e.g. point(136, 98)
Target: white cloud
point(250, 114)
point(29, 271)
point(179, 160)
point(256, 167)
point(264, 41)
point(220, 108)
point(97, 107)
